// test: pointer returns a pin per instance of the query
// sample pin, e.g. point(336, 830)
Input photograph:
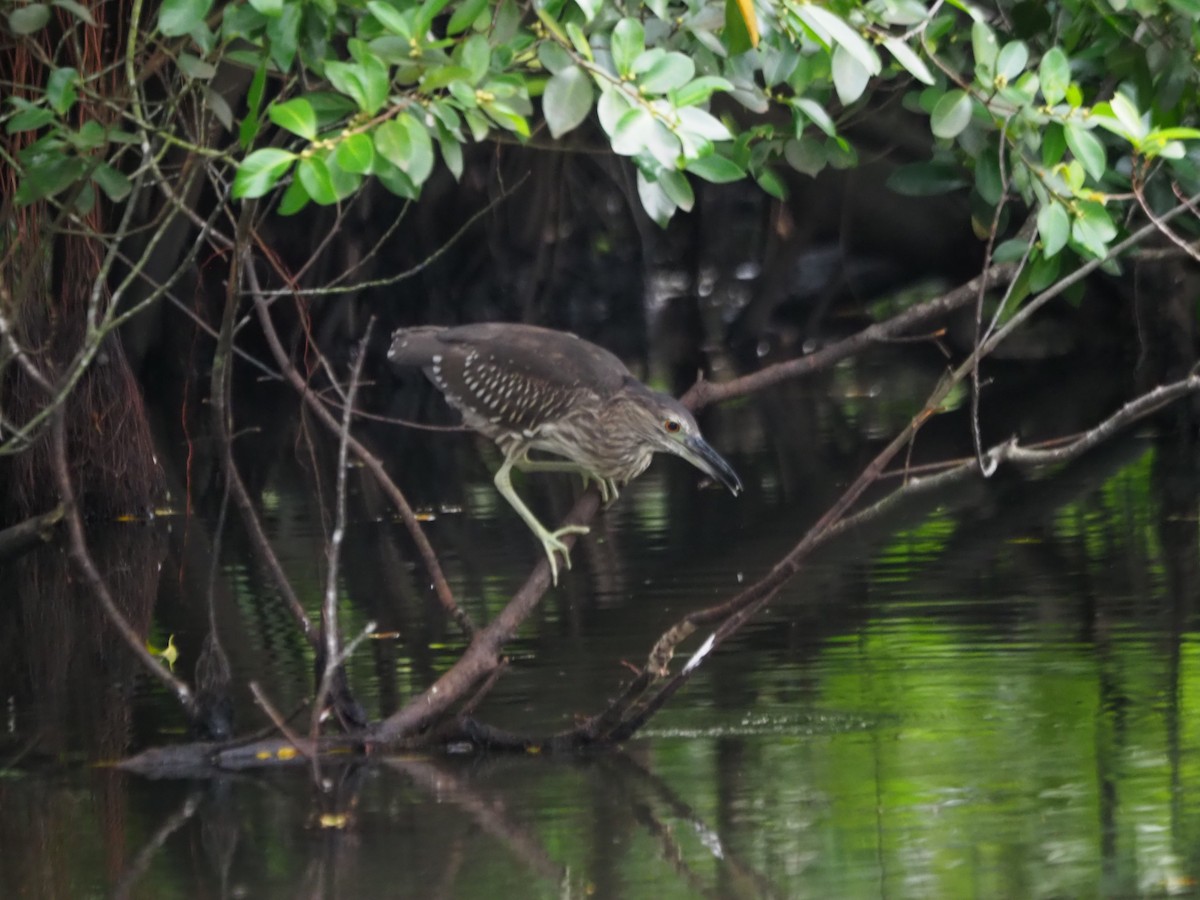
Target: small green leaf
point(1055, 75)
point(1054, 226)
point(29, 19)
point(716, 169)
point(984, 47)
point(114, 184)
point(1093, 228)
point(567, 100)
point(703, 124)
point(194, 67)
point(628, 43)
point(30, 119)
point(60, 89)
point(850, 77)
point(268, 8)
point(655, 200)
point(699, 90)
point(406, 144)
point(806, 155)
point(772, 184)
point(296, 116)
point(677, 187)
point(672, 71)
point(78, 10)
point(477, 57)
point(355, 154)
point(179, 17)
point(392, 19)
point(907, 57)
point(465, 15)
point(261, 171)
point(294, 199)
point(951, 114)
point(1128, 115)
point(824, 22)
point(1012, 60)
point(1087, 149)
point(314, 175)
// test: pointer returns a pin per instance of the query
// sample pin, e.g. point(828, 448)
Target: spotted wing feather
point(507, 377)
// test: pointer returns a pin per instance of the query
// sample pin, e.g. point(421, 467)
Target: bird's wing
point(555, 358)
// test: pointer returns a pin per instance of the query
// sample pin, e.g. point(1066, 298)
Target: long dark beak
point(700, 454)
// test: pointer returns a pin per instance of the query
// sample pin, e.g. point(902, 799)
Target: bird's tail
point(415, 346)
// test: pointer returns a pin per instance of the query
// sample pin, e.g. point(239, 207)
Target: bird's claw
point(552, 542)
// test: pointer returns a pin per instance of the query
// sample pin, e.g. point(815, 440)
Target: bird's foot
point(606, 486)
point(552, 543)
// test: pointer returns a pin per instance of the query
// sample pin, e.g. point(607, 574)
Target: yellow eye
point(672, 426)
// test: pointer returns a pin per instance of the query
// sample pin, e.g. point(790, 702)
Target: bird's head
point(668, 426)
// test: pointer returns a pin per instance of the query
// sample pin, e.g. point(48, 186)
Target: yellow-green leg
point(608, 487)
point(551, 540)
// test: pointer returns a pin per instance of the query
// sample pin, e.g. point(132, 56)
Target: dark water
point(986, 695)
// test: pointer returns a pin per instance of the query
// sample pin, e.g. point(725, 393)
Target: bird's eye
point(672, 425)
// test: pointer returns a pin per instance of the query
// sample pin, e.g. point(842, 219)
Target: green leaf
point(554, 57)
point(698, 91)
point(907, 57)
point(294, 199)
point(567, 100)
point(1043, 272)
point(1054, 144)
point(1054, 73)
point(1093, 229)
point(806, 155)
point(254, 94)
point(655, 200)
point(465, 15)
point(296, 116)
point(816, 113)
point(355, 154)
point(48, 178)
point(179, 17)
point(283, 35)
point(78, 10)
point(60, 89)
point(628, 43)
point(429, 11)
point(393, 20)
point(1054, 226)
point(951, 114)
point(477, 57)
point(672, 71)
point(677, 187)
point(984, 47)
point(1087, 149)
point(1128, 115)
point(703, 124)
point(850, 77)
point(406, 144)
point(736, 35)
point(30, 119)
point(829, 24)
point(268, 8)
point(1012, 60)
point(261, 171)
point(396, 181)
point(716, 169)
point(772, 184)
point(29, 19)
point(194, 67)
point(314, 175)
point(114, 184)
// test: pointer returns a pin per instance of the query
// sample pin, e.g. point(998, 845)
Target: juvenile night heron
point(530, 388)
